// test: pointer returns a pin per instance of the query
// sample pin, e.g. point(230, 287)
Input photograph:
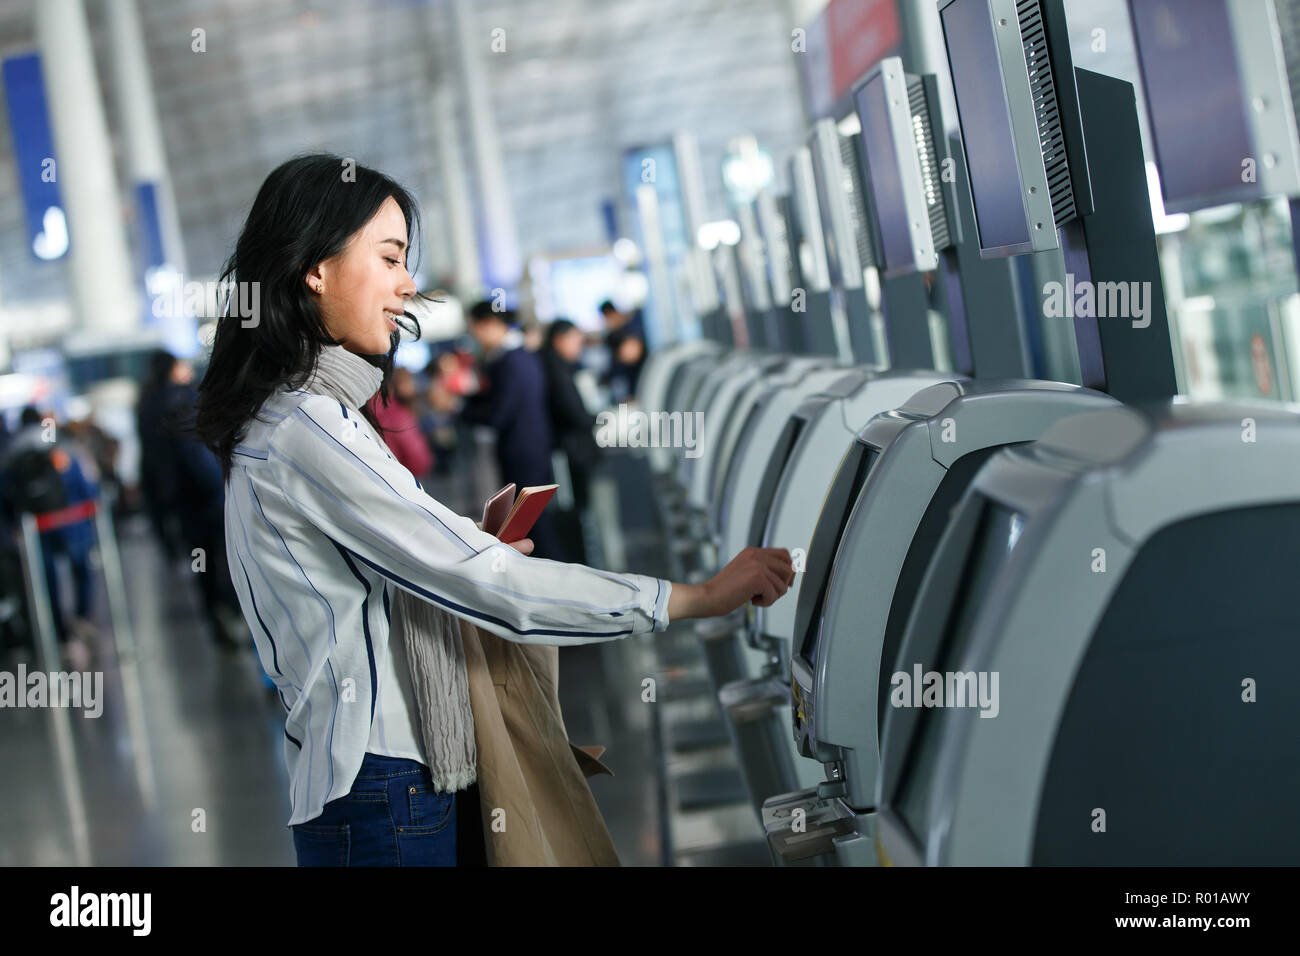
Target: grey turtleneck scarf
point(429, 635)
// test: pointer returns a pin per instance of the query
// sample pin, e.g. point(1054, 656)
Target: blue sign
point(29, 124)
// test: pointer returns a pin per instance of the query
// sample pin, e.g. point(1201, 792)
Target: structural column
point(456, 202)
point(105, 299)
point(161, 247)
point(498, 235)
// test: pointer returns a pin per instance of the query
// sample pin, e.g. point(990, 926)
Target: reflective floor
point(184, 767)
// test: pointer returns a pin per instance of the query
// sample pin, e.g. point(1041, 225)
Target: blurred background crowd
point(530, 390)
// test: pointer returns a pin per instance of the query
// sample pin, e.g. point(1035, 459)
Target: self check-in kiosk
point(800, 467)
point(1099, 691)
point(882, 518)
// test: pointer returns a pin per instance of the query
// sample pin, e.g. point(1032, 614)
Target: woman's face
point(358, 287)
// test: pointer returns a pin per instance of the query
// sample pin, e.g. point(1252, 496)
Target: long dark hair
point(305, 212)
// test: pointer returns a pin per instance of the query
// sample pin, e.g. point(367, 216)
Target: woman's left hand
point(523, 545)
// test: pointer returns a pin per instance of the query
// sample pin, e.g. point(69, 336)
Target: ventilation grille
point(851, 166)
point(1047, 110)
point(923, 136)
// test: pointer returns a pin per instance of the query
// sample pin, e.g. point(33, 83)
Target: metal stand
point(49, 662)
point(47, 659)
point(1117, 244)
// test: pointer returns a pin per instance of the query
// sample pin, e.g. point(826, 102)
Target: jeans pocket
point(322, 845)
point(430, 809)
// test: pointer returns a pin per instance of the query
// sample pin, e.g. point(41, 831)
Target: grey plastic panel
point(1151, 468)
point(749, 471)
point(918, 444)
point(808, 477)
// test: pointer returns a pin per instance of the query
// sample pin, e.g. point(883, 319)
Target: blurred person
point(100, 453)
point(443, 398)
point(512, 402)
point(325, 528)
point(572, 425)
point(534, 337)
point(182, 484)
point(625, 341)
point(157, 478)
point(397, 422)
point(41, 476)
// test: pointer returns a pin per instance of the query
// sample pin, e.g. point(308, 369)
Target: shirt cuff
point(653, 603)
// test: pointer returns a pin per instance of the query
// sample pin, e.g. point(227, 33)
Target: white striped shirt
point(321, 523)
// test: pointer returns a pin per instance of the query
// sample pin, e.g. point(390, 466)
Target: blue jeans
point(391, 817)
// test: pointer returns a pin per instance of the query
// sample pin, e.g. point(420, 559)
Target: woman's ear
point(315, 279)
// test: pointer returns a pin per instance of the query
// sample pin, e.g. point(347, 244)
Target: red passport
point(527, 509)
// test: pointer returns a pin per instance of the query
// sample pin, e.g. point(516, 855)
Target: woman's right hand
point(760, 575)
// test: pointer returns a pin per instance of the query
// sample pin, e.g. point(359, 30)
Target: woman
point(400, 426)
point(328, 534)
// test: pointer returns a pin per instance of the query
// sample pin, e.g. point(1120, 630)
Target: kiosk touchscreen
point(1085, 695)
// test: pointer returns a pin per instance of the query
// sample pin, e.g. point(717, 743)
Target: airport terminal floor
point(191, 727)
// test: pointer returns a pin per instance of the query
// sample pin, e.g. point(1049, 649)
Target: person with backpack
point(41, 477)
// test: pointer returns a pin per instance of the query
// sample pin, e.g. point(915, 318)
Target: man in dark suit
point(512, 402)
point(625, 340)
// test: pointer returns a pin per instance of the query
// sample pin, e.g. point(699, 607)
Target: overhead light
point(725, 231)
point(626, 251)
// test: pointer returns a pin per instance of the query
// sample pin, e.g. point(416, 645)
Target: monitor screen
point(831, 522)
point(998, 531)
point(771, 479)
point(1194, 101)
point(882, 170)
point(985, 120)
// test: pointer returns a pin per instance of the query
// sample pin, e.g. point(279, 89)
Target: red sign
point(861, 34)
